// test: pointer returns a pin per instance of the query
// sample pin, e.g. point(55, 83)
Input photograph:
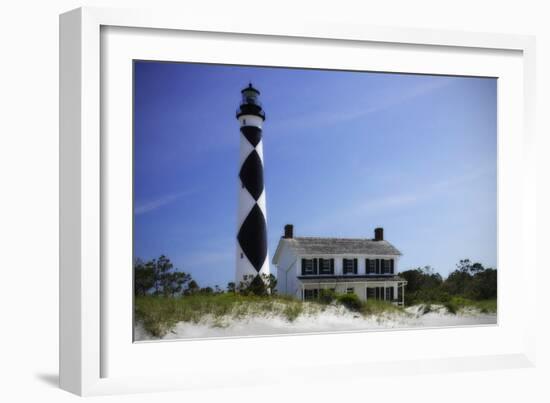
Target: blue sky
point(344, 152)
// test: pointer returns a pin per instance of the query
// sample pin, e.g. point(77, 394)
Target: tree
point(486, 284)
point(472, 280)
point(159, 277)
point(257, 286)
point(469, 280)
point(421, 278)
point(260, 284)
point(271, 283)
point(174, 283)
point(144, 277)
point(163, 269)
point(231, 287)
point(192, 287)
point(458, 282)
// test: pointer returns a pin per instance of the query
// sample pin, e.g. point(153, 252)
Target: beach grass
point(459, 304)
point(378, 307)
point(159, 315)
point(456, 304)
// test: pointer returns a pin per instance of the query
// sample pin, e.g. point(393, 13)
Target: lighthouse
point(252, 259)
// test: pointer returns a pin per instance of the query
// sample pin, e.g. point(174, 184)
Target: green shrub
point(484, 306)
point(327, 296)
point(158, 315)
point(451, 306)
point(427, 296)
point(377, 307)
point(292, 311)
point(350, 301)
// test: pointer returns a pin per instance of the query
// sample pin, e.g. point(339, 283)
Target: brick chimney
point(379, 234)
point(289, 231)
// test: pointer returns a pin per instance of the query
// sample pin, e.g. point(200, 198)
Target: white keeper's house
point(366, 267)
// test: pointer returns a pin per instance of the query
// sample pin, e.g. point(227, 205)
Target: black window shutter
point(391, 266)
point(303, 266)
point(355, 266)
point(315, 266)
point(377, 266)
point(367, 266)
point(321, 266)
point(332, 266)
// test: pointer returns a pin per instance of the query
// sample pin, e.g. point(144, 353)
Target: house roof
point(339, 246)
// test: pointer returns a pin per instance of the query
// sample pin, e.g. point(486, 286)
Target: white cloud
point(152, 205)
point(425, 193)
point(322, 119)
point(397, 201)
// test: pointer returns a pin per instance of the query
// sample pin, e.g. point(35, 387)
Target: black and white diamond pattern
point(252, 175)
point(253, 237)
point(253, 134)
point(252, 233)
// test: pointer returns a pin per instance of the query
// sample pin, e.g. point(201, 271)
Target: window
point(370, 265)
point(371, 293)
point(350, 290)
point(349, 266)
point(387, 266)
point(376, 293)
point(311, 294)
point(309, 267)
point(326, 266)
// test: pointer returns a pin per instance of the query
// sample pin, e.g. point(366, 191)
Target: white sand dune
point(333, 319)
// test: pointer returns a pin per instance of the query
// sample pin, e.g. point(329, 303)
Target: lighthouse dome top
point(250, 88)
point(250, 103)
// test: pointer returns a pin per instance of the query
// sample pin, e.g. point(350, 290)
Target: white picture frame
point(85, 343)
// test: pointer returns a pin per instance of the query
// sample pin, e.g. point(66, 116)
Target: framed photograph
point(231, 190)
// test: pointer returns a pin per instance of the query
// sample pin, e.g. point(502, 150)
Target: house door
point(371, 293)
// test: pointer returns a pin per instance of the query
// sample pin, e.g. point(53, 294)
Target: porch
point(391, 289)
